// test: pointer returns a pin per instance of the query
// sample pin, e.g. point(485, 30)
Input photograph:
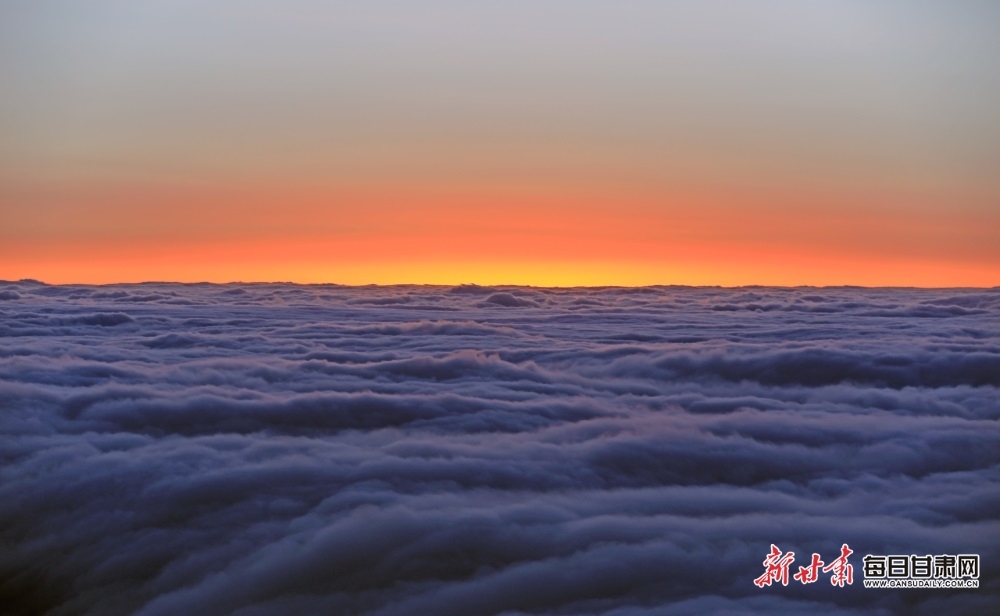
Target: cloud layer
point(275, 449)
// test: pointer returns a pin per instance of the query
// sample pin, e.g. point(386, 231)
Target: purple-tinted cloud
point(272, 449)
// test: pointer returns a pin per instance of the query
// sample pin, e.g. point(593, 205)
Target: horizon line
point(484, 286)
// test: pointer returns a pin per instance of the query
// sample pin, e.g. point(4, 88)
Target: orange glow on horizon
point(487, 235)
point(539, 274)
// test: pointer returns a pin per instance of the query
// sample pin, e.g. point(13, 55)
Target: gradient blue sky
point(773, 142)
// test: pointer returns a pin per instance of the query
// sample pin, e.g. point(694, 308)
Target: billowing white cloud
point(274, 449)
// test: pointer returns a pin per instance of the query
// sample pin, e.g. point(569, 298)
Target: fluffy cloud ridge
point(268, 449)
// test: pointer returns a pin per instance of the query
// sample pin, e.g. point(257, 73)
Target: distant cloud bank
point(278, 449)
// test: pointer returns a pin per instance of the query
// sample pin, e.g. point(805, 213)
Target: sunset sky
point(525, 142)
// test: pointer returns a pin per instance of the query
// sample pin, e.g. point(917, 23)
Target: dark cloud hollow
point(278, 449)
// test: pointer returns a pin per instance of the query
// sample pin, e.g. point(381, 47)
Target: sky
point(541, 143)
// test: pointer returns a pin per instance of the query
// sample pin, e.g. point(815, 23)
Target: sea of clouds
point(280, 449)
